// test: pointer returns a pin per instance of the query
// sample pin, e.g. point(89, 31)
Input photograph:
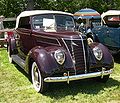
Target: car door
point(112, 37)
point(100, 32)
point(108, 36)
point(24, 41)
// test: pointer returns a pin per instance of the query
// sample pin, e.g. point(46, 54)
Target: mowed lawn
point(15, 87)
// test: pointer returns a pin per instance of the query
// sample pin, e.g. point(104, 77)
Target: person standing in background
point(1, 28)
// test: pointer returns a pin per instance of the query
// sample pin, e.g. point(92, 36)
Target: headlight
point(98, 53)
point(59, 56)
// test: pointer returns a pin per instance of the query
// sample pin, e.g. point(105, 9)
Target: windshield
point(53, 22)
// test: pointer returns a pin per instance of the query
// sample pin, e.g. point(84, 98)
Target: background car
point(6, 29)
point(109, 32)
point(46, 45)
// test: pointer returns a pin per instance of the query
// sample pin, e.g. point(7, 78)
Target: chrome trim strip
point(58, 42)
point(73, 39)
point(70, 55)
point(77, 77)
point(84, 53)
point(73, 58)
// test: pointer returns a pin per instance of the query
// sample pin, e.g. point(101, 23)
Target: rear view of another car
point(6, 29)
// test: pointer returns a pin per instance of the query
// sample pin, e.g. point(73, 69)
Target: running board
point(18, 60)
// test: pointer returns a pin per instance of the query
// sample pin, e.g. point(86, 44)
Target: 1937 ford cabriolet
point(46, 45)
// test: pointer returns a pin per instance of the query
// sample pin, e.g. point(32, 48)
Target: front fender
point(45, 60)
point(107, 60)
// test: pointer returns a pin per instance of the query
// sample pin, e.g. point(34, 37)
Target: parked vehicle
point(48, 48)
point(6, 25)
point(109, 32)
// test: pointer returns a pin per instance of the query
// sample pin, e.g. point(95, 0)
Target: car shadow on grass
point(22, 71)
point(87, 86)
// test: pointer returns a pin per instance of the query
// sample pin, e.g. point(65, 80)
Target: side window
point(113, 21)
point(24, 23)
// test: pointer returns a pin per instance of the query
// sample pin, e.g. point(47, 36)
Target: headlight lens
point(59, 56)
point(98, 53)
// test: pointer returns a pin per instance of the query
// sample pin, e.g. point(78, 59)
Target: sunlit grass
point(15, 87)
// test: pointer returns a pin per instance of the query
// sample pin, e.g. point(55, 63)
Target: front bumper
point(77, 77)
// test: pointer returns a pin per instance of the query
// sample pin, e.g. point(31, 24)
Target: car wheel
point(90, 40)
point(37, 79)
point(104, 79)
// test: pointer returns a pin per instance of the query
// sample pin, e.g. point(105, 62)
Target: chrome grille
point(77, 53)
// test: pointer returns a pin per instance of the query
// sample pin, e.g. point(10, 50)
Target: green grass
point(15, 87)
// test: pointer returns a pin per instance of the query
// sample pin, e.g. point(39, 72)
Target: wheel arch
point(44, 58)
point(30, 62)
point(45, 63)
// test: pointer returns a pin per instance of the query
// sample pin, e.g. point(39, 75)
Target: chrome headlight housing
point(59, 56)
point(98, 53)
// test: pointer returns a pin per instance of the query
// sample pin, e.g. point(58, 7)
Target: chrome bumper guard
point(77, 77)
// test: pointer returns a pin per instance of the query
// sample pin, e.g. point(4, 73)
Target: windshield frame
point(54, 17)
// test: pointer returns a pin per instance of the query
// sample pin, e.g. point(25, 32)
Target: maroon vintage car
point(48, 48)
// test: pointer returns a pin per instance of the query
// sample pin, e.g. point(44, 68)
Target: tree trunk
point(30, 5)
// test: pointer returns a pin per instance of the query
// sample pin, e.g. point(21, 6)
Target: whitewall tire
point(37, 78)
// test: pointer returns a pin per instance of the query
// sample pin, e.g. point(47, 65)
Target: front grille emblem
point(74, 44)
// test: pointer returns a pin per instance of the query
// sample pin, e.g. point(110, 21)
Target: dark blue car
point(109, 31)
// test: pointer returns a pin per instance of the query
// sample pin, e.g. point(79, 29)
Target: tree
point(11, 8)
point(30, 5)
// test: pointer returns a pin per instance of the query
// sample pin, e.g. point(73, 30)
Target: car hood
point(59, 34)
